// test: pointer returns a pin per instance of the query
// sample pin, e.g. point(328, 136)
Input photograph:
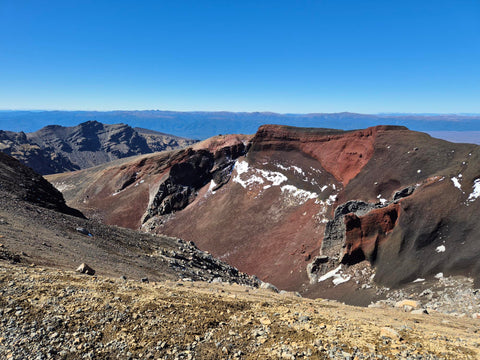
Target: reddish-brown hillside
point(291, 205)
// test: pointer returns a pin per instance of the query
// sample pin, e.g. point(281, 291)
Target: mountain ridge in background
point(205, 124)
point(56, 149)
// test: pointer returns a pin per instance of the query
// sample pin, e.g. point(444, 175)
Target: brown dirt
point(104, 318)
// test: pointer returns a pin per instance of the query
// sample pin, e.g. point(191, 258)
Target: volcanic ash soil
point(56, 314)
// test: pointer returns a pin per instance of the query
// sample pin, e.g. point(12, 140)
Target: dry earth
point(49, 313)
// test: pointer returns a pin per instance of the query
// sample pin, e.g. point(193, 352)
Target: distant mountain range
point(55, 148)
point(202, 125)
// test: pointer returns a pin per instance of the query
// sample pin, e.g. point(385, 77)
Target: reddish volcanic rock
point(364, 234)
point(342, 153)
point(291, 197)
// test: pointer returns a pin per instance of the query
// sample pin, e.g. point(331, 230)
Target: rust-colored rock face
point(290, 205)
point(342, 154)
point(364, 234)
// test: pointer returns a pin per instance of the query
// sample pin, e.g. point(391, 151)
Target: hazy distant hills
point(202, 125)
point(56, 148)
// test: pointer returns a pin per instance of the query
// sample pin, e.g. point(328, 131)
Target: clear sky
point(241, 55)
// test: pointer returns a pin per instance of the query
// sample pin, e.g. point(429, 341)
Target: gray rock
point(268, 286)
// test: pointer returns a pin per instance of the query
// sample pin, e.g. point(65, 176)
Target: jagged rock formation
point(37, 227)
point(22, 183)
point(329, 201)
point(56, 149)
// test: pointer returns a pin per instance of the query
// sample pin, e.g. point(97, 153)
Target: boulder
point(268, 286)
point(407, 305)
point(85, 269)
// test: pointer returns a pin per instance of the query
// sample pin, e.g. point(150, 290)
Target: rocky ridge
point(56, 149)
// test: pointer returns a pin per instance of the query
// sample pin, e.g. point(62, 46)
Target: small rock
point(389, 333)
point(85, 269)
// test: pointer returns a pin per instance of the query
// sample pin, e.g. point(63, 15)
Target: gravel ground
point(55, 314)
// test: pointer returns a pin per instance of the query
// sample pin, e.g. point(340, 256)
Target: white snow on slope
point(476, 191)
point(274, 177)
point(337, 278)
point(298, 170)
point(440, 249)
point(212, 186)
point(242, 168)
point(456, 183)
point(331, 199)
point(300, 194)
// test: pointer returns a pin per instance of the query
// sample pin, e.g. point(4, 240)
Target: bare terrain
point(291, 205)
point(51, 314)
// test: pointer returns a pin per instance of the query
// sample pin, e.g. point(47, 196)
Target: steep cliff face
point(56, 149)
point(291, 205)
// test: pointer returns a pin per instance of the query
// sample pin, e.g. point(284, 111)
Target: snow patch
point(456, 183)
point(280, 166)
point(331, 199)
point(418, 280)
point(476, 191)
point(419, 171)
point(337, 277)
point(323, 188)
point(274, 177)
point(242, 167)
point(302, 195)
point(383, 201)
point(340, 279)
point(212, 186)
point(440, 249)
point(439, 275)
point(298, 170)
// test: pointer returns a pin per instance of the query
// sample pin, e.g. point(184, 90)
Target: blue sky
point(283, 56)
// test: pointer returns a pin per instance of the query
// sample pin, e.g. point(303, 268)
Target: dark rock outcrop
point(56, 149)
point(185, 178)
point(21, 182)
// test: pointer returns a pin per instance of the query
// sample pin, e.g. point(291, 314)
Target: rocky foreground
point(48, 313)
